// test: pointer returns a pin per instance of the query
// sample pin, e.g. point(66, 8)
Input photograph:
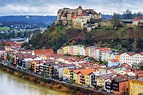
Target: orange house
point(87, 51)
point(35, 66)
point(83, 76)
point(120, 84)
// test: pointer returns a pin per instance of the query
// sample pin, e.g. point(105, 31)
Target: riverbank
point(50, 83)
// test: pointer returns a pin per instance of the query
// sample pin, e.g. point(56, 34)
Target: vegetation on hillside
point(122, 39)
point(4, 28)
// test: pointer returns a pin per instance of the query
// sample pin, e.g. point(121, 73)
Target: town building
point(136, 87)
point(138, 21)
point(131, 58)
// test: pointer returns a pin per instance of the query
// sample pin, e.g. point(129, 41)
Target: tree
point(116, 20)
point(9, 57)
point(127, 14)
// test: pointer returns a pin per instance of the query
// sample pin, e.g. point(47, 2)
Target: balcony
point(107, 83)
point(82, 82)
point(115, 84)
point(116, 88)
point(82, 76)
point(108, 87)
point(71, 73)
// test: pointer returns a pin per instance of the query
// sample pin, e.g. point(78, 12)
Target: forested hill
point(41, 21)
point(122, 39)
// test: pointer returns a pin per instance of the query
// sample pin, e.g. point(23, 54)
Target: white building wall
point(82, 51)
point(134, 59)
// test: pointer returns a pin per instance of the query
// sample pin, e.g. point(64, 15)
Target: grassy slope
point(4, 28)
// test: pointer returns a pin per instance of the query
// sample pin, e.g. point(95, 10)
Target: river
point(12, 85)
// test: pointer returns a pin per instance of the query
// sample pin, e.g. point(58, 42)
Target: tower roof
point(79, 7)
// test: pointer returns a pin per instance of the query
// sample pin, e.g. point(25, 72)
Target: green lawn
point(4, 28)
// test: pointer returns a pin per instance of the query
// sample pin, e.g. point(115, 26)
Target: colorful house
point(60, 67)
point(136, 87)
point(70, 50)
point(82, 51)
point(66, 73)
point(100, 51)
point(60, 51)
point(120, 84)
point(82, 76)
point(87, 51)
point(102, 78)
point(92, 51)
point(113, 62)
point(65, 49)
point(126, 58)
point(76, 49)
point(47, 69)
point(35, 66)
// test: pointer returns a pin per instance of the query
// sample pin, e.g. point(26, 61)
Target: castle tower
point(79, 10)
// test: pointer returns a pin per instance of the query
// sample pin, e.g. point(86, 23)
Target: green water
point(11, 85)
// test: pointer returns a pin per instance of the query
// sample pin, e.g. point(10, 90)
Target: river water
point(12, 85)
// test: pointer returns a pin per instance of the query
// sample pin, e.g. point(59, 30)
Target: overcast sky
point(50, 7)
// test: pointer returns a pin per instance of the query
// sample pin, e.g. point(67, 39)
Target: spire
point(79, 7)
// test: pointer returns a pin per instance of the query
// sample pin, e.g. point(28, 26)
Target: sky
point(50, 7)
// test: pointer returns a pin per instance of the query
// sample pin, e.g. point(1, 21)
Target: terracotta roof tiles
point(44, 52)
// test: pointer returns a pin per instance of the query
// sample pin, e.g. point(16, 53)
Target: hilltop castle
point(76, 18)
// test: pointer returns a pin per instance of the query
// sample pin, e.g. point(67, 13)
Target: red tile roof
point(114, 60)
point(44, 52)
point(87, 71)
point(131, 53)
point(22, 56)
point(84, 71)
point(141, 53)
point(139, 73)
point(138, 18)
point(74, 16)
point(126, 65)
point(104, 49)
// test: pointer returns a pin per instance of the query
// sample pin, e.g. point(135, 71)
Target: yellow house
point(87, 79)
point(82, 76)
point(66, 73)
point(76, 49)
point(135, 87)
point(65, 49)
point(100, 81)
point(75, 76)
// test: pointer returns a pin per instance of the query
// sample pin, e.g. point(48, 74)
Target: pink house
point(70, 50)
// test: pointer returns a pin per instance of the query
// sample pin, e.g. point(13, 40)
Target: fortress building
point(76, 18)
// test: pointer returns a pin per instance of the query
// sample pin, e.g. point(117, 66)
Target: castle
point(76, 18)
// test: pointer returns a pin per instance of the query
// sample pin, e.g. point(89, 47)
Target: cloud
point(50, 7)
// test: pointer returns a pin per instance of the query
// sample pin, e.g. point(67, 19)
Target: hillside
point(41, 21)
point(122, 39)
